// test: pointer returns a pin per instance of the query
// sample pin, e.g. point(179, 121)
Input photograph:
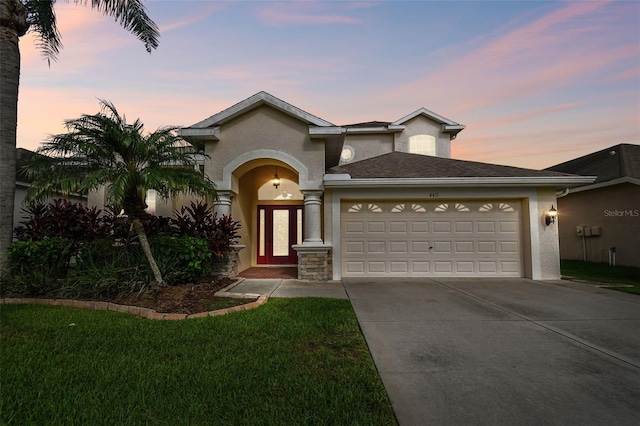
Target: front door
point(279, 228)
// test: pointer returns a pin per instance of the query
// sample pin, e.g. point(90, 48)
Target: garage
point(459, 238)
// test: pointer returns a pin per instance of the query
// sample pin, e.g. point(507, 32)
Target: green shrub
point(35, 268)
point(181, 259)
point(104, 268)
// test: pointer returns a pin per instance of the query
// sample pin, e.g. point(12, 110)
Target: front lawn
point(291, 361)
point(604, 273)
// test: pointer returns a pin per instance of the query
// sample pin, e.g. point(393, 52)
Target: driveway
point(502, 351)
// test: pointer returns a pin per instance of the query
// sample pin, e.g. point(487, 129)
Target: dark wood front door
point(279, 228)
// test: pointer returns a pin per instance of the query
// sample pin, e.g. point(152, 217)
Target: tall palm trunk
point(144, 243)
point(13, 24)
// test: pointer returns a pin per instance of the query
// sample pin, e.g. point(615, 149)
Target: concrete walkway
point(502, 351)
point(290, 288)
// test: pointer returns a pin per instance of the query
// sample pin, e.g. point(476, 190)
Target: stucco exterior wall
point(369, 145)
point(545, 252)
point(421, 125)
point(19, 203)
point(265, 128)
point(615, 210)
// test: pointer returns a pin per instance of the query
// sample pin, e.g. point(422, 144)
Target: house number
point(433, 194)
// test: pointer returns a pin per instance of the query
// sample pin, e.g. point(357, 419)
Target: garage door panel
point(487, 247)
point(464, 246)
point(509, 247)
point(420, 267)
point(441, 227)
point(487, 267)
point(420, 247)
point(396, 227)
point(419, 227)
point(376, 247)
point(376, 227)
point(428, 238)
point(465, 267)
point(442, 267)
point(398, 247)
point(354, 227)
point(376, 267)
point(464, 227)
point(354, 247)
point(440, 247)
point(508, 226)
point(486, 227)
point(399, 267)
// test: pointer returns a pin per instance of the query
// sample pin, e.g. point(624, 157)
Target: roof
point(260, 98)
point(368, 124)
point(402, 165)
point(618, 161)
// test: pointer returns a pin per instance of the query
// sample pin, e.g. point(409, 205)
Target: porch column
point(222, 205)
point(312, 217)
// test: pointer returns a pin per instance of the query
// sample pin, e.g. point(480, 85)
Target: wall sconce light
point(550, 217)
point(276, 179)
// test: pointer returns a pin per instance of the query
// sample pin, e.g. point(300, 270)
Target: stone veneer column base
point(314, 262)
point(227, 266)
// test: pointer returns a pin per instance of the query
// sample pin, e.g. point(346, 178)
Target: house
point(23, 183)
point(373, 199)
point(600, 221)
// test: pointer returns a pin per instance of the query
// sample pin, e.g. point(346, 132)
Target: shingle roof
point(401, 165)
point(608, 164)
point(368, 124)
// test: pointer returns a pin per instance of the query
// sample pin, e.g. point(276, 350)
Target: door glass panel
point(281, 233)
point(299, 227)
point(261, 250)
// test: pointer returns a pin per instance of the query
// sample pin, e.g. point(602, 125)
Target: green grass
point(291, 361)
point(602, 272)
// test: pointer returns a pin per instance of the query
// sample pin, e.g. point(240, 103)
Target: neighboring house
point(23, 183)
point(374, 199)
point(597, 218)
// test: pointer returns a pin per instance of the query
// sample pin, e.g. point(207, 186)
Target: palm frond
point(42, 20)
point(132, 16)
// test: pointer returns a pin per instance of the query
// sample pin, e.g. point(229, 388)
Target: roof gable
point(448, 126)
point(255, 101)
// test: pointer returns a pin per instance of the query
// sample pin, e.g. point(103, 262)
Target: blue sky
point(535, 82)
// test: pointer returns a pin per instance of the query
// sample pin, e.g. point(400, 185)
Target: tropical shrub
point(36, 267)
point(185, 259)
point(62, 218)
point(199, 220)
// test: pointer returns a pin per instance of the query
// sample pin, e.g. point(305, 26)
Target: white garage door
point(427, 238)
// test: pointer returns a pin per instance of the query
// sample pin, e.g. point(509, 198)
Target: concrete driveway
point(502, 351)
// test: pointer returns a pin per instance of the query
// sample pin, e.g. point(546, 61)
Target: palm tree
point(16, 18)
point(102, 150)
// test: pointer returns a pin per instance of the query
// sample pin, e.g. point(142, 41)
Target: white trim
point(430, 114)
point(325, 131)
point(303, 173)
point(208, 133)
point(339, 181)
point(260, 98)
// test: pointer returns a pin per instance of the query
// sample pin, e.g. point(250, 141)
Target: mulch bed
point(182, 299)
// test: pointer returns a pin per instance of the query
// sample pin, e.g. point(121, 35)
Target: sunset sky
point(535, 82)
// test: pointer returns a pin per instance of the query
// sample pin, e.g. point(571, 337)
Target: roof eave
point(261, 98)
point(204, 134)
point(344, 181)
